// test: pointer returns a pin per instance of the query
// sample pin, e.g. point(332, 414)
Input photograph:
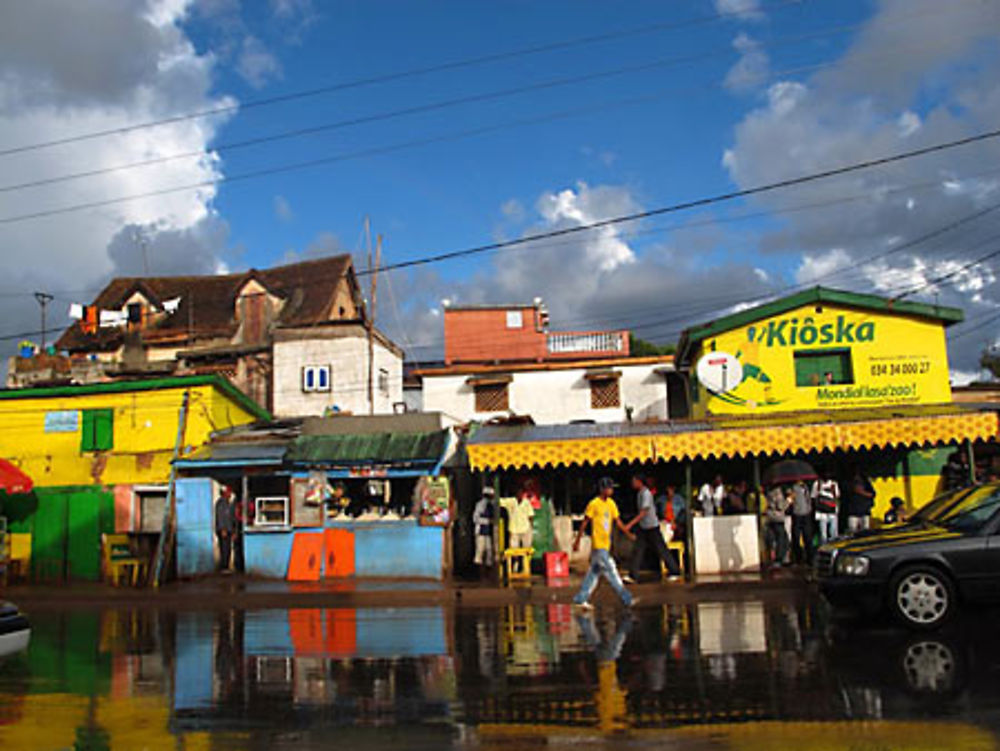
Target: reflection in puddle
point(730, 675)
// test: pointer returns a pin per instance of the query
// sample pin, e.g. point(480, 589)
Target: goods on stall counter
point(318, 489)
point(434, 494)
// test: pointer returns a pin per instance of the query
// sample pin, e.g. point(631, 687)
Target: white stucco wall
point(347, 357)
point(554, 396)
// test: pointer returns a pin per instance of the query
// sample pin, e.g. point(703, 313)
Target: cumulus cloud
point(135, 63)
point(753, 67)
point(590, 280)
point(257, 64)
point(743, 10)
point(918, 73)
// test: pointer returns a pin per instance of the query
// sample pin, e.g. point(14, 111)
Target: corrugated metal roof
point(381, 448)
point(245, 453)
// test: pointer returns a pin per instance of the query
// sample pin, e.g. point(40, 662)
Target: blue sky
point(757, 92)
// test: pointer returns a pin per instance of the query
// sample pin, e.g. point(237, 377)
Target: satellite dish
point(719, 372)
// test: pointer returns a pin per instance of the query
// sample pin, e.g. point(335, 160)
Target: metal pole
point(170, 512)
point(43, 300)
point(972, 461)
point(689, 543)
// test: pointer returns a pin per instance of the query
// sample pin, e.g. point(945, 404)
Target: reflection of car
point(15, 631)
point(948, 553)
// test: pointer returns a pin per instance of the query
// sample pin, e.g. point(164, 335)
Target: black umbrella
point(788, 471)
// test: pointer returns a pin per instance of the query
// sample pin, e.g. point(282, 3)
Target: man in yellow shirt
point(601, 514)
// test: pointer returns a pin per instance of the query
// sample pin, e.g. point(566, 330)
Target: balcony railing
point(565, 343)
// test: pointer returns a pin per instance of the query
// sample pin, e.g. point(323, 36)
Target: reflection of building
point(294, 338)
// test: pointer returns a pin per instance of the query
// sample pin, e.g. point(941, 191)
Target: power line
point(425, 108)
point(398, 76)
point(693, 203)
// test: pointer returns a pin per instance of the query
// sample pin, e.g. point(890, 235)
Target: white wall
point(347, 357)
point(554, 396)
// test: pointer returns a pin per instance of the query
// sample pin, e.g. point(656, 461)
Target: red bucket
point(556, 565)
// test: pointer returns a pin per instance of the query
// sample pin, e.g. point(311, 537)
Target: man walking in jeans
point(601, 515)
point(649, 535)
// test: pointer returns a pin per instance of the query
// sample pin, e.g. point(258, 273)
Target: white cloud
point(912, 56)
point(909, 123)
point(816, 267)
point(134, 64)
point(752, 69)
point(743, 10)
point(256, 64)
point(283, 209)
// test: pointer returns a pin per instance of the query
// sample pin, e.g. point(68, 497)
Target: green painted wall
point(66, 527)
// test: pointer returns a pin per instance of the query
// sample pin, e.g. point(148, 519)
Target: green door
point(88, 514)
point(48, 540)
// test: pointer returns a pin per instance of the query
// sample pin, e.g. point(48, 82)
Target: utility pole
point(140, 239)
point(43, 300)
point(373, 265)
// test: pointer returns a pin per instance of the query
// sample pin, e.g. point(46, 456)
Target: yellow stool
point(677, 546)
point(523, 555)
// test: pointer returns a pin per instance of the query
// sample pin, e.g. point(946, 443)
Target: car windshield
point(940, 505)
point(964, 511)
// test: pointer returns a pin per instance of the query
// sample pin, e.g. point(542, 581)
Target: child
point(601, 514)
point(897, 512)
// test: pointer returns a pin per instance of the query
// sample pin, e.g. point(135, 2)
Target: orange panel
point(339, 553)
point(306, 627)
point(307, 557)
point(341, 632)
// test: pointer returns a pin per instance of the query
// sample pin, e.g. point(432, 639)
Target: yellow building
point(820, 349)
point(100, 457)
point(843, 380)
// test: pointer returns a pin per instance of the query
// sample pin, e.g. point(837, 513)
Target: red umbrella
point(13, 480)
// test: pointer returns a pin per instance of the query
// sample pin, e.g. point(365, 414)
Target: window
point(271, 511)
point(492, 397)
point(383, 381)
point(152, 503)
point(316, 378)
point(825, 367)
point(515, 319)
point(605, 394)
point(98, 432)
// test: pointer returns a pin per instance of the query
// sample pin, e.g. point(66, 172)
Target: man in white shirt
point(711, 496)
point(826, 502)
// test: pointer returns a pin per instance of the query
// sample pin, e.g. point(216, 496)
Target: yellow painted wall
point(145, 429)
point(895, 360)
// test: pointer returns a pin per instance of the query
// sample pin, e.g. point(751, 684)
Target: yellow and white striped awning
point(499, 447)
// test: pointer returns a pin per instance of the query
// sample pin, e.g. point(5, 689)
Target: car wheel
point(922, 597)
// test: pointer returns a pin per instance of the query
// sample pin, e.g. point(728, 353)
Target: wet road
point(750, 675)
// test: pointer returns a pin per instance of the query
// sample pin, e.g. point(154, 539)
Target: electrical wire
point(398, 76)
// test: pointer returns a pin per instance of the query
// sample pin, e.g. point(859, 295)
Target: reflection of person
point(860, 500)
point(601, 514)
point(482, 520)
point(225, 526)
point(711, 496)
point(897, 512)
point(649, 534)
point(610, 698)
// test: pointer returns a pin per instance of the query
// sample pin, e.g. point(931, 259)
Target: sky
point(454, 124)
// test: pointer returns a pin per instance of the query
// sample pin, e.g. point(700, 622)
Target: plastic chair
point(520, 555)
point(120, 563)
point(677, 547)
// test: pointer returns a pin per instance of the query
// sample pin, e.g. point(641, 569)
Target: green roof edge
point(149, 384)
point(694, 334)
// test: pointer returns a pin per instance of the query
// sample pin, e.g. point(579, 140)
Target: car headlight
point(853, 565)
